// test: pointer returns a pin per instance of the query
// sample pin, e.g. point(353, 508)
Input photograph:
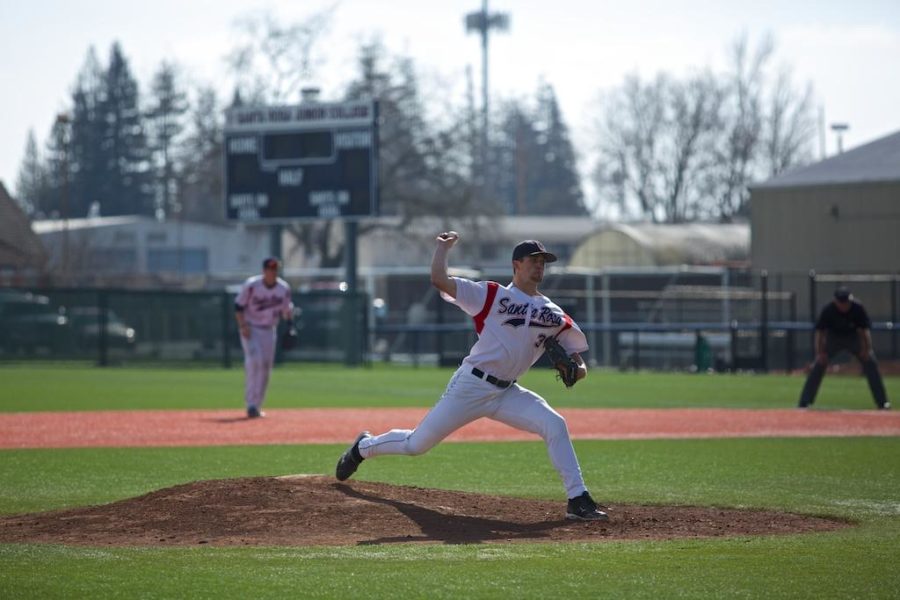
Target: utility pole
point(822, 152)
point(482, 22)
point(62, 131)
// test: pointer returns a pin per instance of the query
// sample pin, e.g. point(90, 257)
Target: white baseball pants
point(468, 398)
point(259, 356)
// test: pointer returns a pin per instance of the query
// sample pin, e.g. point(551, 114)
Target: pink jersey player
point(261, 303)
point(512, 322)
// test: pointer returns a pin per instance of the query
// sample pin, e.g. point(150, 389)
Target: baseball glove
point(289, 338)
point(566, 367)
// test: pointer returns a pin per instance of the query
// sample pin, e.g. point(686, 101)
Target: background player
point(262, 301)
point(512, 323)
point(844, 325)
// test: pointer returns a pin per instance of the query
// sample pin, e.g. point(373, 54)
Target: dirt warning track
point(326, 426)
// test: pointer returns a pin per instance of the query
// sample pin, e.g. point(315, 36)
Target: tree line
point(666, 149)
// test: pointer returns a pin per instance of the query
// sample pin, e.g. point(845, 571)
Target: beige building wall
point(655, 244)
point(829, 229)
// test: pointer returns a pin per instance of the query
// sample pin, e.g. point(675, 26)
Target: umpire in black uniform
point(844, 325)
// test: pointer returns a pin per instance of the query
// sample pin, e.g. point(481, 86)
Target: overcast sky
point(849, 51)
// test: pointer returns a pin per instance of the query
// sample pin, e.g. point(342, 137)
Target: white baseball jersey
point(263, 305)
point(512, 326)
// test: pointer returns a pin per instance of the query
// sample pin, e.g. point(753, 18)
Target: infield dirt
point(304, 510)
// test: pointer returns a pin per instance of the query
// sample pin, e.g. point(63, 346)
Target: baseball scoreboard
point(309, 161)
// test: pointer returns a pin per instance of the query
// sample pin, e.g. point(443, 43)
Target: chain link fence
point(672, 319)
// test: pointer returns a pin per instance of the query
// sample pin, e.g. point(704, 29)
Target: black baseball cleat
point(885, 406)
point(254, 413)
point(583, 508)
point(350, 459)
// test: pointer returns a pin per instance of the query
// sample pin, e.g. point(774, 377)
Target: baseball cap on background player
point(271, 263)
point(532, 248)
point(842, 294)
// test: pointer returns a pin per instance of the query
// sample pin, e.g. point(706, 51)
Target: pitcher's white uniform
point(262, 307)
point(511, 328)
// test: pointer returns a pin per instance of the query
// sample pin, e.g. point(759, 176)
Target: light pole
point(482, 22)
point(839, 129)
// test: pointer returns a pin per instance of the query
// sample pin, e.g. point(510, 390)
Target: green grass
point(858, 566)
point(49, 387)
point(855, 478)
point(850, 477)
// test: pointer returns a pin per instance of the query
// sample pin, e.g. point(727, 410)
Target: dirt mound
point(317, 510)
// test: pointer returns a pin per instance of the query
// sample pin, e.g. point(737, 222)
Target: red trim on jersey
point(568, 323)
point(488, 303)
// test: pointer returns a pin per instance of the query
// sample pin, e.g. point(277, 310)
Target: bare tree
point(200, 178)
point(272, 61)
point(790, 126)
point(677, 150)
point(695, 114)
point(652, 141)
point(630, 139)
point(743, 124)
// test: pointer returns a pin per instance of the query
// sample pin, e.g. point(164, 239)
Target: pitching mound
point(317, 510)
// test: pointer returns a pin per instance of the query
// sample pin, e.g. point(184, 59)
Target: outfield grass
point(854, 478)
point(51, 387)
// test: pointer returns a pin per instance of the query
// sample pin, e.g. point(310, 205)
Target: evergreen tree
point(168, 104)
point(558, 189)
point(56, 201)
point(127, 188)
point(31, 183)
point(515, 152)
point(85, 151)
point(535, 170)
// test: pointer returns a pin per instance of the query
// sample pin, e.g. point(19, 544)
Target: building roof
point(50, 225)
point(875, 162)
point(652, 244)
point(20, 248)
point(486, 241)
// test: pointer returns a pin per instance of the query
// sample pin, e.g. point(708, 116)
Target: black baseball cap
point(532, 248)
point(842, 294)
point(271, 263)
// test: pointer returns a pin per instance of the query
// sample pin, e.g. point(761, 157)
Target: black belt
point(500, 383)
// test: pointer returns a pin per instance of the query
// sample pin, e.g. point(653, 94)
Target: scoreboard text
point(311, 161)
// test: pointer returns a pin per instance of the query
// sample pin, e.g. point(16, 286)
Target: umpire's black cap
point(842, 294)
point(532, 248)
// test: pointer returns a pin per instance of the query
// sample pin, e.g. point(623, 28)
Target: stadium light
point(483, 22)
point(839, 129)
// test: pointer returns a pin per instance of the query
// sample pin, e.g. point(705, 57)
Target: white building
point(142, 248)
point(485, 243)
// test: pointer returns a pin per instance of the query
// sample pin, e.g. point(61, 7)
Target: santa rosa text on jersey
point(543, 316)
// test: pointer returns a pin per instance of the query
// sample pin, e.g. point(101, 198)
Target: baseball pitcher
point(513, 323)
